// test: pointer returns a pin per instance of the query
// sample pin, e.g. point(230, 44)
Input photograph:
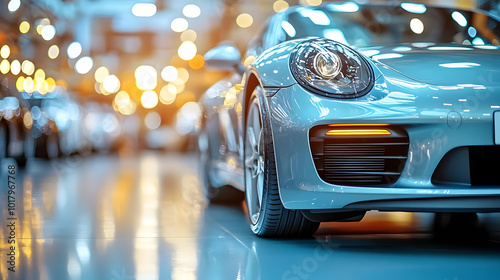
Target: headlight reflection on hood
point(331, 69)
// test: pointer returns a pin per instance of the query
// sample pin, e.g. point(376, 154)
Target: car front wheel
point(266, 213)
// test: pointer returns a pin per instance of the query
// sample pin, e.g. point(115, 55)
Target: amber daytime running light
point(358, 131)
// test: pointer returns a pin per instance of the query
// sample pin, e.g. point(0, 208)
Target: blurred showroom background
point(117, 76)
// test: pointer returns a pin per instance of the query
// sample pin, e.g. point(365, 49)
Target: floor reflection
point(110, 217)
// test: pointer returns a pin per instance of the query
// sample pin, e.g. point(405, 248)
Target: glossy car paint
point(445, 98)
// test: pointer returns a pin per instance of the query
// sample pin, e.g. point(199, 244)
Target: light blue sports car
point(344, 108)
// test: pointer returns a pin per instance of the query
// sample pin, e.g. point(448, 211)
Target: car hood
point(445, 65)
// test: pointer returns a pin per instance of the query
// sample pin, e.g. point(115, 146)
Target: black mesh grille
point(359, 160)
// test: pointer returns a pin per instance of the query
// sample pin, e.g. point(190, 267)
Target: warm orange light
point(357, 132)
point(359, 124)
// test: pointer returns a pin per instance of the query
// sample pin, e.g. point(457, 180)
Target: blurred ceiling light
point(416, 25)
point(74, 50)
point(144, 10)
point(146, 77)
point(40, 74)
point(29, 85)
point(24, 27)
point(191, 11)
point(187, 50)
point(28, 67)
point(179, 25)
point(152, 120)
point(15, 67)
point(84, 65)
point(4, 66)
point(189, 35)
point(20, 84)
point(415, 8)
point(183, 73)
point(244, 20)
point(48, 32)
point(51, 84)
point(14, 5)
point(459, 18)
point(101, 73)
point(111, 84)
point(53, 52)
point(168, 94)
point(149, 99)
point(314, 2)
point(197, 62)
point(169, 74)
point(122, 99)
point(280, 6)
point(5, 51)
point(44, 21)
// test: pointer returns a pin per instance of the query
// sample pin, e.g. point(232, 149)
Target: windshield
point(371, 25)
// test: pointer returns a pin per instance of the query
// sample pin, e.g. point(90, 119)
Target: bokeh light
point(168, 94)
point(48, 32)
point(191, 11)
point(40, 74)
point(111, 84)
point(74, 50)
point(20, 84)
point(4, 66)
point(197, 62)
point(152, 120)
point(179, 25)
point(122, 99)
point(28, 67)
point(100, 74)
point(189, 35)
point(149, 99)
point(14, 5)
point(28, 85)
point(144, 10)
point(244, 20)
point(183, 74)
point(187, 50)
point(280, 6)
point(24, 27)
point(15, 67)
point(146, 77)
point(84, 65)
point(5, 51)
point(169, 74)
point(53, 52)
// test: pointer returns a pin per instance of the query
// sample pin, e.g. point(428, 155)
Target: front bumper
point(437, 120)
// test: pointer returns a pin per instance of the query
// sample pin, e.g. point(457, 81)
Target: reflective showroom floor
point(143, 217)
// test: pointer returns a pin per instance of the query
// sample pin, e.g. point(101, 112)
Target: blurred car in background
point(101, 127)
point(15, 125)
point(345, 108)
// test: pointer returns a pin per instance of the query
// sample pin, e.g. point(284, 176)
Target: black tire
point(224, 194)
point(268, 217)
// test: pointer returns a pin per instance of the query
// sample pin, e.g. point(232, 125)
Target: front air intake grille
point(359, 160)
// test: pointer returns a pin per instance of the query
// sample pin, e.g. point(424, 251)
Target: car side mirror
point(224, 58)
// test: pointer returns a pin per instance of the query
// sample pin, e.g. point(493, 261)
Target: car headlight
point(331, 69)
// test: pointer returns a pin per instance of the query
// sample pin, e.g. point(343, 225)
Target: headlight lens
point(332, 69)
